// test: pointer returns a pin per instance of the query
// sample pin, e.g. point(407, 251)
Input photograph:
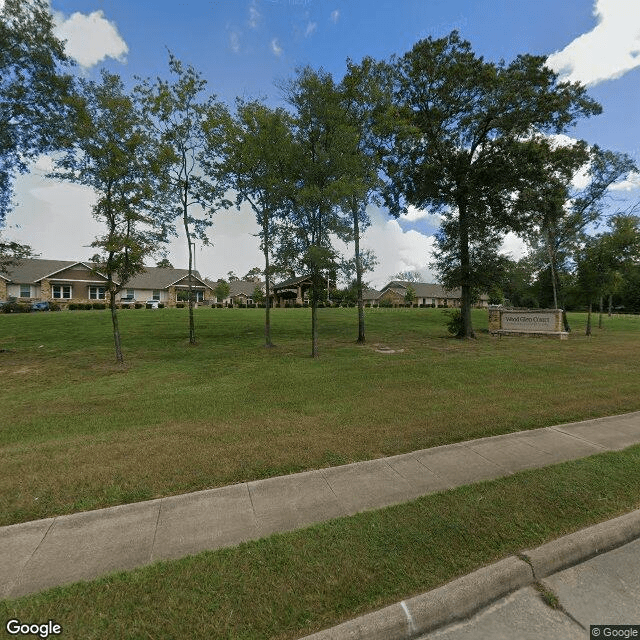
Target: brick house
point(65, 282)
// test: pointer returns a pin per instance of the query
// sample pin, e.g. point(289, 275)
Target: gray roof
point(32, 270)
point(292, 282)
point(160, 278)
point(426, 290)
point(244, 287)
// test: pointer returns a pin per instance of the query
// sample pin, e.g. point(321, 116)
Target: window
point(96, 293)
point(156, 294)
point(131, 294)
point(25, 291)
point(199, 296)
point(62, 291)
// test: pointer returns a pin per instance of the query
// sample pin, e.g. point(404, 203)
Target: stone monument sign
point(525, 322)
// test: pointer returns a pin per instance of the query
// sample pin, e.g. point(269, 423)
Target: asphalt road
point(604, 590)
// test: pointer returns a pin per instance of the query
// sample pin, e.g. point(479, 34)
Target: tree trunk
point(314, 323)
point(610, 304)
point(465, 267)
point(601, 309)
point(116, 328)
point(554, 284)
point(588, 330)
point(356, 234)
point(267, 310)
point(192, 327)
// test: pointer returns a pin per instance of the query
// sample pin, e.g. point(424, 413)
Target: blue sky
point(243, 46)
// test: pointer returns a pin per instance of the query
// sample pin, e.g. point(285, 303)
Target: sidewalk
point(43, 553)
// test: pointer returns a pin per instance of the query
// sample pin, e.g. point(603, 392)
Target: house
point(296, 290)
point(240, 291)
point(425, 293)
point(65, 282)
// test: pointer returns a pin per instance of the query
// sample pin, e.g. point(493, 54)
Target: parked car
point(40, 306)
point(152, 304)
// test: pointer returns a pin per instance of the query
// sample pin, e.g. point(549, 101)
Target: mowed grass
point(288, 585)
point(79, 433)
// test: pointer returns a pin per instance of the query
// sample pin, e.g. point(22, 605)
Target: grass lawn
point(78, 433)
point(292, 584)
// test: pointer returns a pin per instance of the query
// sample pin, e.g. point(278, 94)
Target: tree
point(111, 155)
point(33, 92)
point(323, 139)
point(184, 122)
point(560, 212)
point(165, 263)
point(410, 295)
point(254, 272)
point(407, 276)
point(602, 257)
point(222, 290)
point(256, 160)
point(258, 295)
point(462, 130)
point(362, 95)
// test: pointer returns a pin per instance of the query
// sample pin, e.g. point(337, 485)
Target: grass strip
point(78, 433)
point(288, 585)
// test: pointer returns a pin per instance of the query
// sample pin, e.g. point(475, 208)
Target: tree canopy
point(463, 132)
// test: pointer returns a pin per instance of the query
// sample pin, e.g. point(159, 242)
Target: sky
point(246, 47)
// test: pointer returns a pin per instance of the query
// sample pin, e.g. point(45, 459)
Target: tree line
point(439, 128)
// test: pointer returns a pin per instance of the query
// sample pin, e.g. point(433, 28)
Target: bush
point(54, 307)
point(99, 305)
point(387, 304)
point(16, 307)
point(138, 305)
point(160, 305)
point(179, 305)
point(454, 323)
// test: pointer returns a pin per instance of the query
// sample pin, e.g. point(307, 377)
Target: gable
point(77, 273)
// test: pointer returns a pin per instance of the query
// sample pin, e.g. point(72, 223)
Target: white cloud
point(414, 214)
point(335, 15)
point(276, 48)
point(311, 27)
point(90, 38)
point(632, 182)
point(606, 52)
point(396, 250)
point(513, 246)
point(254, 17)
point(234, 41)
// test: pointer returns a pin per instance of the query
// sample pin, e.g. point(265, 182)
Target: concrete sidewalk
point(44, 553)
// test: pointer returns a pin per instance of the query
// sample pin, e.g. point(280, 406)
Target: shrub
point(54, 307)
point(387, 304)
point(219, 305)
point(99, 305)
point(160, 305)
point(455, 325)
point(16, 307)
point(179, 305)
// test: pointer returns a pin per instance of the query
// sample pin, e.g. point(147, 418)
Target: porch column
point(299, 298)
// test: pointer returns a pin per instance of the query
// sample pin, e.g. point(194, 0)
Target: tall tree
point(462, 132)
point(112, 155)
point(34, 86)
point(323, 139)
point(185, 120)
point(256, 160)
point(363, 94)
point(559, 211)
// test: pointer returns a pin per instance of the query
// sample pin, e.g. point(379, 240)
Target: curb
point(461, 598)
